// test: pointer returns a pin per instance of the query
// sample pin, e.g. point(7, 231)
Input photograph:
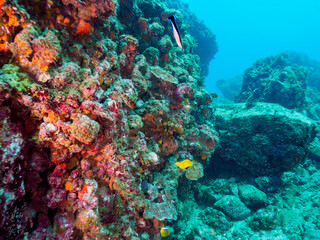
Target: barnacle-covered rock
point(46, 50)
point(84, 129)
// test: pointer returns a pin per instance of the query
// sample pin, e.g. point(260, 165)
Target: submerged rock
point(311, 235)
point(233, 207)
point(252, 197)
point(230, 87)
point(264, 219)
point(275, 80)
point(84, 129)
point(264, 139)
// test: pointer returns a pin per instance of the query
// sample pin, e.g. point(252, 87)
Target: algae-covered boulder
point(263, 139)
point(275, 80)
point(265, 219)
point(84, 129)
point(314, 149)
point(232, 207)
point(252, 197)
point(311, 235)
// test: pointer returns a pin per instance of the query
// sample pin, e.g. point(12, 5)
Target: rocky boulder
point(230, 87)
point(252, 197)
point(232, 207)
point(275, 80)
point(265, 138)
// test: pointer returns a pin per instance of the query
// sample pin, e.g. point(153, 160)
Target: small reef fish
point(166, 231)
point(176, 30)
point(184, 164)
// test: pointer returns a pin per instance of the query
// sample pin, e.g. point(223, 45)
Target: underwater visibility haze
point(111, 127)
point(248, 30)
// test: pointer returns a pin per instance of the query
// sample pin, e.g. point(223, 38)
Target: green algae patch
point(13, 79)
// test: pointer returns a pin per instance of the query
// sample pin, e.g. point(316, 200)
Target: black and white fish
point(176, 30)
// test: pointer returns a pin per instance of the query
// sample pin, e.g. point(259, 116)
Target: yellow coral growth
point(51, 116)
point(13, 21)
point(204, 156)
point(68, 186)
point(3, 42)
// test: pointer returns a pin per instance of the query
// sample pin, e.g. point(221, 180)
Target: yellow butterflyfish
point(165, 231)
point(184, 164)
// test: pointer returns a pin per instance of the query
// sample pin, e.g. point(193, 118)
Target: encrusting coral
point(99, 107)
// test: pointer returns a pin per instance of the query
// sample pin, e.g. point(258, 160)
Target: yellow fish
point(165, 231)
point(184, 164)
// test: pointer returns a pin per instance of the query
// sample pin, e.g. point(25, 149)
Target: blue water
point(251, 29)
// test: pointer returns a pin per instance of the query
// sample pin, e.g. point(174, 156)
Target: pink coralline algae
point(92, 8)
point(46, 50)
point(129, 47)
point(43, 49)
point(96, 107)
point(56, 196)
point(183, 89)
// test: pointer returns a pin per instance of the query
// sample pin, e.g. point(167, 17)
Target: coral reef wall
point(97, 104)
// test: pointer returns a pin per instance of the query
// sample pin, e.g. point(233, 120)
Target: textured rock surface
point(233, 207)
point(97, 104)
point(252, 197)
point(311, 235)
point(275, 80)
point(265, 138)
point(230, 87)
